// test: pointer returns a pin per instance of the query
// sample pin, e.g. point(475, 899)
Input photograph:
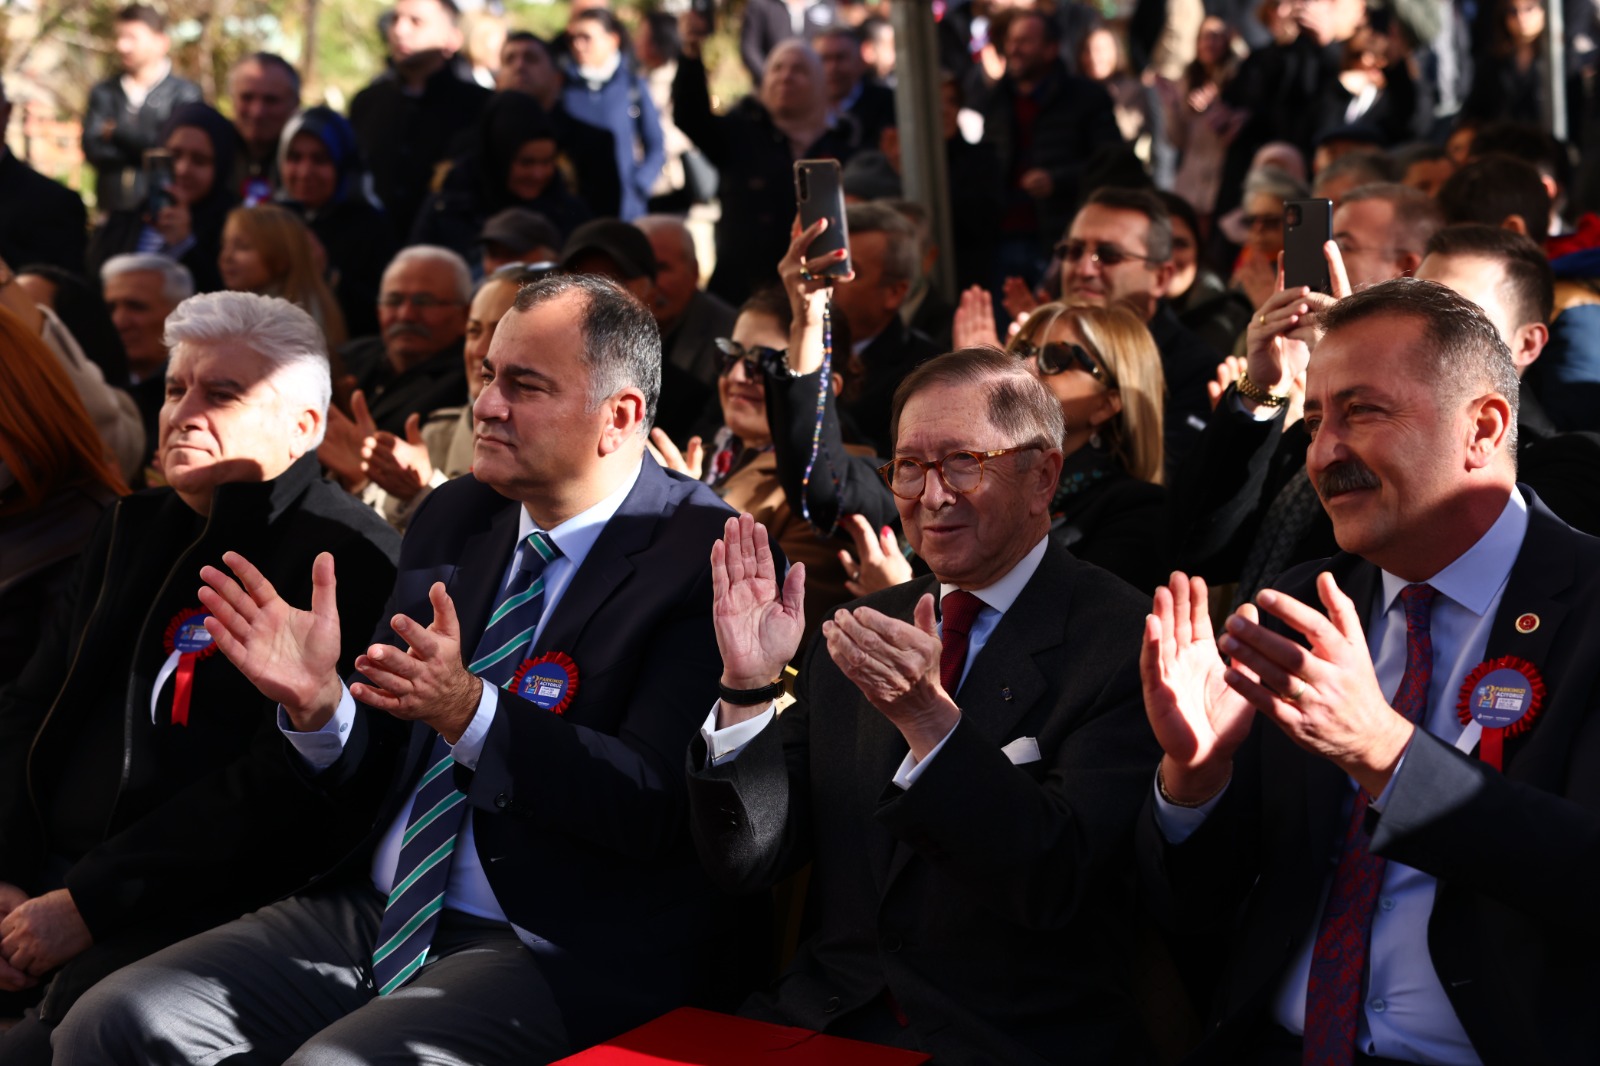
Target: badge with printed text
point(549, 681)
point(1504, 696)
point(186, 637)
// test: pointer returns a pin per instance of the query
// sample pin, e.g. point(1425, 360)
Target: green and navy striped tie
point(438, 808)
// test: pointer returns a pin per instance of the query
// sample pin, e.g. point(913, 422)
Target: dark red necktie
point(1339, 959)
point(958, 610)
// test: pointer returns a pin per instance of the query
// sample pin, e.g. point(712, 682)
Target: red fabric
point(1339, 959)
point(1587, 235)
point(959, 609)
point(691, 1037)
point(183, 688)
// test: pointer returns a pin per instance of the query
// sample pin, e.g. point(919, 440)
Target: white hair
point(177, 284)
point(276, 330)
point(461, 274)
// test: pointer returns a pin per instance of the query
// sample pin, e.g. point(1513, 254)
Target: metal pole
point(916, 107)
point(1555, 62)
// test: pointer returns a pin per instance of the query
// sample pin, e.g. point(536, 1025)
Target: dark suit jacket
point(1514, 928)
point(885, 362)
point(41, 221)
point(581, 819)
point(436, 382)
point(986, 899)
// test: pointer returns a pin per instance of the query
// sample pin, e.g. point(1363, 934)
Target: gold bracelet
point(1251, 391)
point(1161, 787)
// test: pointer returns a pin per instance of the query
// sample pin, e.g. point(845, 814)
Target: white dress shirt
point(1407, 1015)
point(468, 889)
point(724, 744)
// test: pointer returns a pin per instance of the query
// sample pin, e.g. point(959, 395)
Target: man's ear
point(1408, 262)
point(1527, 344)
point(307, 424)
point(1515, 224)
point(625, 414)
point(1164, 275)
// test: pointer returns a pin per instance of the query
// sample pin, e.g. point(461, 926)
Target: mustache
point(1348, 476)
point(407, 329)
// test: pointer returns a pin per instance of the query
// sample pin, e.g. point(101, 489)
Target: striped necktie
point(438, 808)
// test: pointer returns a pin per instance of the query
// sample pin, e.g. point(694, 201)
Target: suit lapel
point(1545, 568)
point(880, 749)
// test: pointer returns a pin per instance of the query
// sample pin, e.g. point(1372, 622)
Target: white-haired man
point(144, 795)
point(141, 290)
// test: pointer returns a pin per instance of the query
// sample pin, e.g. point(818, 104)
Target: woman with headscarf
point(514, 162)
point(325, 181)
point(184, 220)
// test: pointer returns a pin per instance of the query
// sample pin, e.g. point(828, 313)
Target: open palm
point(289, 655)
point(758, 630)
point(1196, 717)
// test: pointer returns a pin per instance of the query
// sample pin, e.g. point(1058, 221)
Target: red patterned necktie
point(958, 610)
point(1339, 959)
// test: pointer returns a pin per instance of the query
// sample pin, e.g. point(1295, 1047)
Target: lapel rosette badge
point(1504, 696)
point(187, 639)
point(549, 681)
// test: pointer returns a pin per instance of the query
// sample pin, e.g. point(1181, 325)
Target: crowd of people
point(456, 610)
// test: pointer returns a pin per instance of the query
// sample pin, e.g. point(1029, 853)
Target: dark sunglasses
point(1107, 255)
point(1057, 357)
point(752, 357)
point(1267, 220)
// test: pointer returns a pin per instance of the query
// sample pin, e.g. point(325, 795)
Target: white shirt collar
point(1003, 593)
point(576, 536)
point(1475, 578)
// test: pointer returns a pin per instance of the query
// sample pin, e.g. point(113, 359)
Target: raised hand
point(290, 656)
point(1018, 300)
point(974, 322)
point(345, 440)
point(758, 623)
point(399, 467)
point(1228, 371)
point(428, 681)
point(808, 285)
point(1198, 719)
point(1325, 697)
point(690, 461)
point(880, 562)
point(896, 667)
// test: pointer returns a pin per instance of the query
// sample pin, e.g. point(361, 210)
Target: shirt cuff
point(1262, 413)
point(322, 748)
point(726, 744)
point(911, 769)
point(1178, 824)
point(468, 748)
point(1388, 790)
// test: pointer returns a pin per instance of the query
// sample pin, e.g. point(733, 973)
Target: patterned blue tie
point(438, 808)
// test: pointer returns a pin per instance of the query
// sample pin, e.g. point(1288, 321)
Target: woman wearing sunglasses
point(756, 461)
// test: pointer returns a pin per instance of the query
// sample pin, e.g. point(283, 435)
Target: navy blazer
point(1514, 929)
point(581, 819)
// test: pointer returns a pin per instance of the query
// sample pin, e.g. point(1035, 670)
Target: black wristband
point(749, 697)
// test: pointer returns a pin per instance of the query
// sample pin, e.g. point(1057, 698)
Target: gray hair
point(1367, 167)
point(653, 224)
point(1274, 182)
point(901, 260)
point(276, 330)
point(1020, 406)
point(621, 342)
point(460, 273)
point(1463, 350)
point(177, 284)
point(1417, 216)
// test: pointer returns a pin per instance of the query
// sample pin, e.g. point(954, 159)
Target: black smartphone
point(1307, 226)
point(819, 190)
point(157, 180)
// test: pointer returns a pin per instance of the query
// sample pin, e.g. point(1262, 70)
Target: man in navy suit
point(573, 907)
point(1385, 809)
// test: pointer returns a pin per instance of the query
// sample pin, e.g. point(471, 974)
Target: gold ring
point(1294, 697)
point(1261, 319)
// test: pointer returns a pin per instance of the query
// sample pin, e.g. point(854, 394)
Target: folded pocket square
point(1022, 750)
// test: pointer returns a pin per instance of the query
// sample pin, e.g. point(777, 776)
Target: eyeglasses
point(422, 301)
point(1056, 357)
point(1107, 255)
point(752, 358)
point(961, 472)
point(1266, 220)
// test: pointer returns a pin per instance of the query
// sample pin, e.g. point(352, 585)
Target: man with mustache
point(414, 366)
point(1384, 803)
